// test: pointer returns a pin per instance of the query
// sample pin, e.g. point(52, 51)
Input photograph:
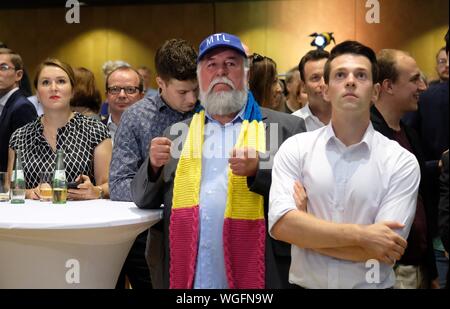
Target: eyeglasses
point(442, 61)
point(5, 67)
point(128, 90)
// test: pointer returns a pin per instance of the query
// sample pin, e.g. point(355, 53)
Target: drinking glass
point(45, 186)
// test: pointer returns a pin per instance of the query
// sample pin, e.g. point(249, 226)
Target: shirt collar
point(307, 111)
point(308, 114)
point(108, 123)
point(160, 103)
point(366, 141)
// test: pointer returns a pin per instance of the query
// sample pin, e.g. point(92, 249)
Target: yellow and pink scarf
point(244, 229)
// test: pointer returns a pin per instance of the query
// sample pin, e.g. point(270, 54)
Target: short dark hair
point(16, 60)
point(126, 68)
point(355, 48)
point(312, 55)
point(177, 59)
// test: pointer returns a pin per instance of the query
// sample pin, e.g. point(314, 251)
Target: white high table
point(81, 244)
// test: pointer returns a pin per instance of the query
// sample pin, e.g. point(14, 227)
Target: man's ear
point(19, 75)
point(376, 92)
point(387, 86)
point(160, 82)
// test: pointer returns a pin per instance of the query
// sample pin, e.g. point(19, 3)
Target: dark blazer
point(18, 111)
point(444, 219)
point(151, 194)
point(381, 126)
point(431, 121)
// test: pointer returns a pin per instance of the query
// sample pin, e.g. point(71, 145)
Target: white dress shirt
point(112, 127)
point(372, 181)
point(219, 140)
point(312, 122)
point(37, 105)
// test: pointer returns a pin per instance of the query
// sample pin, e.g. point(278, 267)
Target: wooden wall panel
point(416, 26)
point(278, 29)
point(129, 33)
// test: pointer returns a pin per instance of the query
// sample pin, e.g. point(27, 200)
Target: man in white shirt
point(317, 112)
point(124, 87)
point(361, 187)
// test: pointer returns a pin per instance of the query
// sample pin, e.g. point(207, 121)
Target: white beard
point(223, 102)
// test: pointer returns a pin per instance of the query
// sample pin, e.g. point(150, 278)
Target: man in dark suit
point(443, 203)
point(24, 84)
point(15, 109)
point(401, 85)
point(444, 220)
point(431, 121)
point(222, 71)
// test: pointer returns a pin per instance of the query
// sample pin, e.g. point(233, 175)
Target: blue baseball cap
point(220, 40)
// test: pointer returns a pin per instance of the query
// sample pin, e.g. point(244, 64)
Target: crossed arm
point(344, 241)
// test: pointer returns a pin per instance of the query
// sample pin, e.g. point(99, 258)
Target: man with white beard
point(213, 174)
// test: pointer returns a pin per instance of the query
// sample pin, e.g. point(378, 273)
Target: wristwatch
point(101, 192)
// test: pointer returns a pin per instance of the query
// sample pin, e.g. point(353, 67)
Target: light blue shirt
point(218, 143)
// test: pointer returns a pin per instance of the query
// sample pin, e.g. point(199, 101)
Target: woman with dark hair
point(263, 82)
point(86, 97)
point(85, 141)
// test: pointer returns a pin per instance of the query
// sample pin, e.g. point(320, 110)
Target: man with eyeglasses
point(124, 87)
point(441, 67)
point(24, 83)
point(175, 63)
point(15, 109)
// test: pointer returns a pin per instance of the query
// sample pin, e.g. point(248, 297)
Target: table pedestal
point(86, 258)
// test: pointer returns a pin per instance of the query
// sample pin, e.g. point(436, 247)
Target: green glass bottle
point(18, 181)
point(59, 179)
